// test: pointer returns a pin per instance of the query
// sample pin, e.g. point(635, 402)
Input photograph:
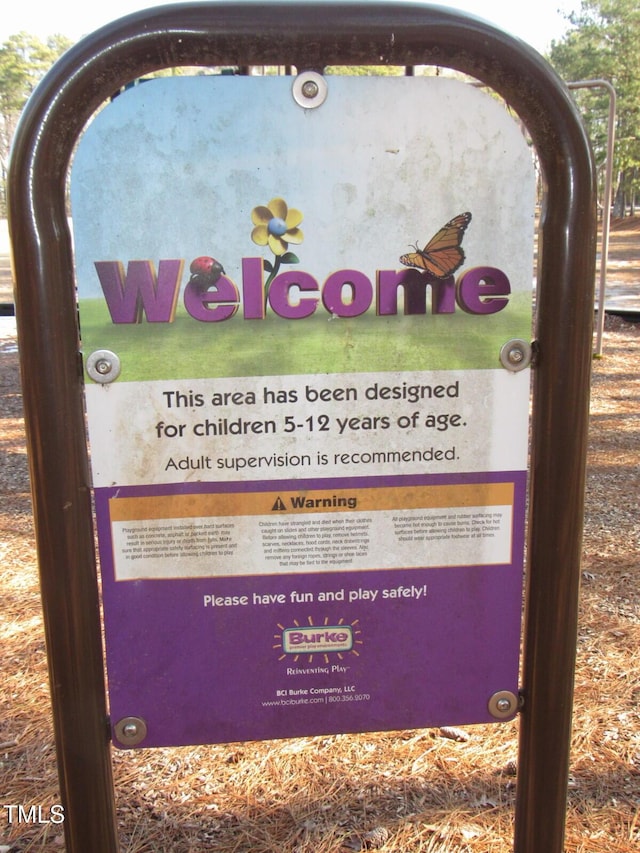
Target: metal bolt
point(515, 355)
point(310, 89)
point(503, 704)
point(103, 366)
point(130, 731)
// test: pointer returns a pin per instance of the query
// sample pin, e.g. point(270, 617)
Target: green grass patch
point(189, 349)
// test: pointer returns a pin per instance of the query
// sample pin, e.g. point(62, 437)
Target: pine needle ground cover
point(432, 790)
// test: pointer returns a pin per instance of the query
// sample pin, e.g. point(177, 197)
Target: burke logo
point(332, 638)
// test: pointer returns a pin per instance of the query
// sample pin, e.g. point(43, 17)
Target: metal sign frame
point(606, 199)
point(308, 36)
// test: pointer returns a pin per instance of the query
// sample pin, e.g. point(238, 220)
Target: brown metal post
point(54, 417)
point(307, 35)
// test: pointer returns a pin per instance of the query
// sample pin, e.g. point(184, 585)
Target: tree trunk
point(618, 204)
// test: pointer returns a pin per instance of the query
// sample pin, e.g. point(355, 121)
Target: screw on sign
point(131, 731)
point(515, 355)
point(310, 89)
point(503, 704)
point(103, 366)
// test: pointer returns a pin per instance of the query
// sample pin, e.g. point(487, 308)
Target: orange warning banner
point(310, 501)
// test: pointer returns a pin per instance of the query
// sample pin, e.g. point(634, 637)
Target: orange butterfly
point(443, 254)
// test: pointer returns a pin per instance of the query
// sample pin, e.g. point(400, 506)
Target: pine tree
point(603, 42)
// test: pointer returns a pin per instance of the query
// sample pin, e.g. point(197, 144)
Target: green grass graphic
point(189, 349)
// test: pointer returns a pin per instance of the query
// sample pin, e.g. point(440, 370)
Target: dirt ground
point(433, 791)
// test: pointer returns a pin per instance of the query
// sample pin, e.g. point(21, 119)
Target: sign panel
point(309, 461)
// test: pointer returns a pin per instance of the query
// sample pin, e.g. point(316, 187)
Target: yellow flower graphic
point(276, 225)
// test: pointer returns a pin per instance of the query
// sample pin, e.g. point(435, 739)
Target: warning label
point(261, 533)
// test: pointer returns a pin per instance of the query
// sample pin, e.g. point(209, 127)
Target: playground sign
point(304, 300)
point(304, 304)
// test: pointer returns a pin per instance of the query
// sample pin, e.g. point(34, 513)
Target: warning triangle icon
point(278, 505)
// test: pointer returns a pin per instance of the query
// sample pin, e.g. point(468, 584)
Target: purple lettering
point(140, 291)
point(357, 285)
point(253, 296)
point(294, 294)
point(414, 284)
point(224, 297)
point(481, 290)
point(280, 293)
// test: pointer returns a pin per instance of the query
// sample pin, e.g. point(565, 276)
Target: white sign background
point(124, 419)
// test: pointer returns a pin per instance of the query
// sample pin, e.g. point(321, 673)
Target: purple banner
point(229, 658)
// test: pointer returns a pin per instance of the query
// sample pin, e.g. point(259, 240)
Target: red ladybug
point(205, 271)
